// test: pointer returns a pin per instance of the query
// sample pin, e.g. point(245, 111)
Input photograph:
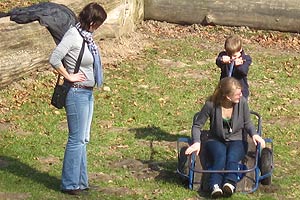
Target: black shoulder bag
point(58, 99)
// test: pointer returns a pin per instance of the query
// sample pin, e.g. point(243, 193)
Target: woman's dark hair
point(91, 13)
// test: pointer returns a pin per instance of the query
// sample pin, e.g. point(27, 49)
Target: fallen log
point(279, 15)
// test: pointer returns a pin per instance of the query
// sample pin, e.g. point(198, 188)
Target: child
point(234, 62)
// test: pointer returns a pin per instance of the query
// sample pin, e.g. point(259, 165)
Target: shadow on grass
point(154, 133)
point(17, 168)
point(167, 173)
point(166, 169)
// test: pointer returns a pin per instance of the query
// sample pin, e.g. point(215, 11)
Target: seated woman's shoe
point(228, 189)
point(216, 192)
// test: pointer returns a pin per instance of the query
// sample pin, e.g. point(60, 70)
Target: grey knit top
point(69, 49)
point(241, 122)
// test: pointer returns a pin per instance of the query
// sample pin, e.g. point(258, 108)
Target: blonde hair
point(225, 87)
point(233, 44)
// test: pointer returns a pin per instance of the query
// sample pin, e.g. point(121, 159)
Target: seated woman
point(229, 116)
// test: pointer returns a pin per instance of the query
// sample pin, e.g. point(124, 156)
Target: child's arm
point(219, 59)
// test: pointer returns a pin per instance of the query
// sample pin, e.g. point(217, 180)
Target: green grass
point(151, 102)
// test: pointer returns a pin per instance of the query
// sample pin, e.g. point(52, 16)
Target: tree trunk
point(25, 48)
point(281, 15)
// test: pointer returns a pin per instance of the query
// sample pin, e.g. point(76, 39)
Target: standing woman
point(80, 101)
point(229, 115)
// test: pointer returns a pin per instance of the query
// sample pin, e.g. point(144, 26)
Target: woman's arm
point(249, 127)
point(60, 52)
point(198, 122)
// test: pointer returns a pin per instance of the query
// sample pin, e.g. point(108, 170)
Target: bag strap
point(79, 58)
point(78, 62)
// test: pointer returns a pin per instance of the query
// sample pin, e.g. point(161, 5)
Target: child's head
point(233, 46)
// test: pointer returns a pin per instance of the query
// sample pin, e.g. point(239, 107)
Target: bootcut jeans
point(79, 110)
point(225, 156)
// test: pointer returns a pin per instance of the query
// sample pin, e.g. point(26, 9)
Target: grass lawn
point(149, 102)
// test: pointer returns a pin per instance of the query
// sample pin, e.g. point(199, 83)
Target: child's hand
point(239, 61)
point(225, 59)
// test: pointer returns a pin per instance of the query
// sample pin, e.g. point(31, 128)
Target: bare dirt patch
point(283, 121)
point(7, 126)
point(14, 196)
point(48, 162)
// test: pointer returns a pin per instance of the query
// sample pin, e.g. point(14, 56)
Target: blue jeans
point(79, 109)
point(224, 156)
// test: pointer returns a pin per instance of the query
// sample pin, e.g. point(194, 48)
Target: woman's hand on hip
point(78, 77)
point(194, 147)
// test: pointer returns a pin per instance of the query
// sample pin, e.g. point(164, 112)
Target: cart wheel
point(266, 165)
point(182, 161)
